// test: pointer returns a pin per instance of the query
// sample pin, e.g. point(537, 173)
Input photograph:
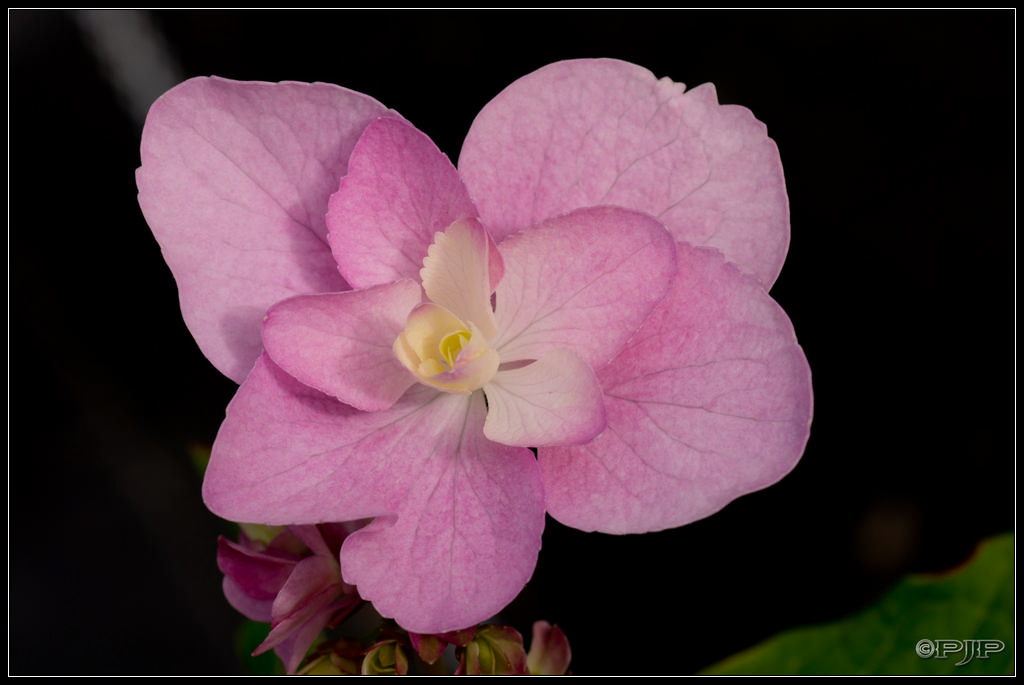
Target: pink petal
point(313, 538)
point(307, 589)
point(585, 281)
point(295, 644)
point(256, 609)
point(234, 183)
point(292, 649)
point(305, 605)
point(463, 542)
point(258, 575)
point(341, 343)
point(460, 517)
point(292, 636)
point(710, 401)
point(582, 133)
point(556, 400)
point(400, 190)
point(288, 454)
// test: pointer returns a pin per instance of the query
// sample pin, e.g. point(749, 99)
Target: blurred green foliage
point(973, 602)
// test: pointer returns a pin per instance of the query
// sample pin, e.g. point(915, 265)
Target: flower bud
point(495, 650)
point(342, 657)
point(549, 650)
point(386, 658)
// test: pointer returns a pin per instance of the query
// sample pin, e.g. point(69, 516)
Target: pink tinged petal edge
point(464, 541)
point(456, 276)
point(341, 343)
point(582, 133)
point(556, 400)
point(461, 518)
point(711, 400)
point(585, 281)
point(400, 190)
point(234, 183)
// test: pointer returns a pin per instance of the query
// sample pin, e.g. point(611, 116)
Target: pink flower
point(291, 581)
point(591, 282)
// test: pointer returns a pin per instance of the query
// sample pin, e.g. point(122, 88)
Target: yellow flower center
point(452, 344)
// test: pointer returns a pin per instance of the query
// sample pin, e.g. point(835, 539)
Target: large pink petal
point(341, 343)
point(466, 537)
point(234, 183)
point(711, 400)
point(603, 132)
point(461, 517)
point(585, 281)
point(288, 454)
point(556, 400)
point(400, 190)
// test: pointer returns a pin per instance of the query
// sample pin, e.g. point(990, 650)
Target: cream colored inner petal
point(444, 352)
point(445, 341)
point(455, 274)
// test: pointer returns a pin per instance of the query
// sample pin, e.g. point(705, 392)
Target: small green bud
point(386, 658)
point(495, 650)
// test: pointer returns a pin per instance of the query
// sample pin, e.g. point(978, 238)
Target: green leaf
point(972, 605)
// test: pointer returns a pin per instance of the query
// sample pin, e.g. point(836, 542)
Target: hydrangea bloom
point(590, 281)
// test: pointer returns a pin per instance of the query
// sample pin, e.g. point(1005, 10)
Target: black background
point(897, 133)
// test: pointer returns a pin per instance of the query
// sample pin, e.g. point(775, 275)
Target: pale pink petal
point(585, 281)
point(461, 517)
point(234, 183)
point(455, 273)
point(711, 400)
point(556, 400)
point(463, 542)
point(288, 454)
point(400, 190)
point(341, 343)
point(582, 133)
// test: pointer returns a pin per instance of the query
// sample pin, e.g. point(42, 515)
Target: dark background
point(897, 134)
